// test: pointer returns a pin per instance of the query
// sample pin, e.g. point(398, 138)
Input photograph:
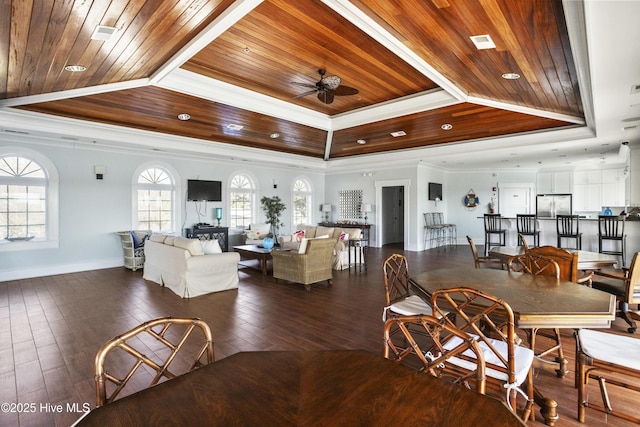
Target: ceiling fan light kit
point(327, 88)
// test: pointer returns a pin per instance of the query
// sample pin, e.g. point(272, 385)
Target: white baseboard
point(50, 270)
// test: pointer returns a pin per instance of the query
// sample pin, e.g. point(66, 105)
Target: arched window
point(155, 207)
point(23, 199)
point(301, 196)
point(242, 195)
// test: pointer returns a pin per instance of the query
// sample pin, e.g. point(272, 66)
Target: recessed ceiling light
point(398, 133)
point(274, 135)
point(103, 32)
point(447, 126)
point(75, 68)
point(483, 42)
point(511, 76)
point(234, 127)
point(184, 116)
point(361, 141)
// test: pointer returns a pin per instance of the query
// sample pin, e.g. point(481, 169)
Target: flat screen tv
point(435, 191)
point(199, 190)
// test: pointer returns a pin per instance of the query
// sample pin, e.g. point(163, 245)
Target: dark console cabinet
point(209, 233)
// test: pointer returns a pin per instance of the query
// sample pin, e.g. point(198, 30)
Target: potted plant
point(273, 208)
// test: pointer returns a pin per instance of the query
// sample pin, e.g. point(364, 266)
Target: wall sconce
point(366, 208)
point(326, 209)
point(218, 215)
point(275, 183)
point(100, 171)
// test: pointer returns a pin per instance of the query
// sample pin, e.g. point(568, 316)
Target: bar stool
point(434, 233)
point(568, 227)
point(527, 225)
point(451, 233)
point(493, 226)
point(611, 228)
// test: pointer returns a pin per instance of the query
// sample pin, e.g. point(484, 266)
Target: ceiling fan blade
point(345, 90)
point(304, 84)
point(305, 94)
point(325, 96)
point(331, 82)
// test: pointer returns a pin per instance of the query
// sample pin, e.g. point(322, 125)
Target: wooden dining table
point(308, 388)
point(537, 302)
point(586, 260)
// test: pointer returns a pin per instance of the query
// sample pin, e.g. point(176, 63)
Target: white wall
point(92, 210)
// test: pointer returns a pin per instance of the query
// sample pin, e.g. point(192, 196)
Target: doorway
point(393, 215)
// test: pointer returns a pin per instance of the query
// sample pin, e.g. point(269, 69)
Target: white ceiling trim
point(73, 93)
point(226, 20)
point(382, 36)
point(527, 110)
point(201, 86)
point(407, 105)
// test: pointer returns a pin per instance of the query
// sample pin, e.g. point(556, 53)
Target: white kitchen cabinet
point(587, 190)
point(558, 182)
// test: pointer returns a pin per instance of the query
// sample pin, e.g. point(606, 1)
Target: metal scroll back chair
point(568, 227)
point(426, 339)
point(561, 264)
point(397, 287)
point(625, 285)
point(480, 261)
point(490, 321)
point(493, 227)
point(611, 228)
point(136, 351)
point(527, 225)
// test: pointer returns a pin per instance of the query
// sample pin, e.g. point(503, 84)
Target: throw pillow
point(211, 247)
point(192, 245)
point(158, 237)
point(253, 235)
point(136, 242)
point(170, 239)
point(299, 235)
point(344, 236)
point(303, 244)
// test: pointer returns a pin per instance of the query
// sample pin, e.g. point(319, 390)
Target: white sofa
point(338, 234)
point(181, 265)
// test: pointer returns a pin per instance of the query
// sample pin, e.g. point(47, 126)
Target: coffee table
point(255, 252)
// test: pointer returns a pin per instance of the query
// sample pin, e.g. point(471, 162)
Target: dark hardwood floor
point(52, 327)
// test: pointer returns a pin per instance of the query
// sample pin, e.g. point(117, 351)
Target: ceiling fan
point(326, 88)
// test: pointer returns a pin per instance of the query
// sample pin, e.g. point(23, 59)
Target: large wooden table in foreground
point(315, 388)
point(537, 302)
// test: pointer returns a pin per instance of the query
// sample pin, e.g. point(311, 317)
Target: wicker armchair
point(312, 266)
point(133, 249)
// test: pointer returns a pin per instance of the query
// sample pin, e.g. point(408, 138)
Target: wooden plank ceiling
point(389, 51)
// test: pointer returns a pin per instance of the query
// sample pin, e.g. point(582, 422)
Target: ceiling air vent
point(103, 33)
point(398, 133)
point(483, 42)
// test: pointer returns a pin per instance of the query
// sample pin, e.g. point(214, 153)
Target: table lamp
point(366, 208)
point(326, 209)
point(218, 215)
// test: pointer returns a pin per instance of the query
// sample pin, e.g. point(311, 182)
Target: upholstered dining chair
point(433, 352)
point(169, 337)
point(490, 321)
point(399, 298)
point(625, 285)
point(610, 359)
point(482, 261)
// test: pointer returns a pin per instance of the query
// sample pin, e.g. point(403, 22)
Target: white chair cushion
point(618, 349)
point(411, 305)
point(211, 246)
point(523, 359)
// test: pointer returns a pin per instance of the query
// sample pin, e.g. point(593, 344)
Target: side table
point(359, 253)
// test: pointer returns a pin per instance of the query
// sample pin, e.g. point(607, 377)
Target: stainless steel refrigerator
point(551, 205)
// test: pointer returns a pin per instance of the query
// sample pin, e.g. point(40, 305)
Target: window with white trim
point(23, 199)
point(155, 191)
point(242, 196)
point(301, 197)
